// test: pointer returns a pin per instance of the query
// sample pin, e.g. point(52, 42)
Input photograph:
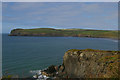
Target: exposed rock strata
point(87, 63)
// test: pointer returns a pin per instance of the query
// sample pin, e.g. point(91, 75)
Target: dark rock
point(51, 69)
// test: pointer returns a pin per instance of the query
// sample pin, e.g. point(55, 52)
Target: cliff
point(87, 63)
point(50, 32)
point(91, 63)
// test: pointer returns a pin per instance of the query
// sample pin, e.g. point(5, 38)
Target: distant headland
point(51, 32)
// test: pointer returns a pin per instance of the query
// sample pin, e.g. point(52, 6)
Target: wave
point(112, 40)
point(115, 40)
point(38, 74)
point(35, 71)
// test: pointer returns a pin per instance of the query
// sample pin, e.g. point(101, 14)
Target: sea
point(23, 55)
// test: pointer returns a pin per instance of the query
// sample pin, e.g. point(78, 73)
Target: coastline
point(70, 59)
point(43, 38)
point(67, 36)
point(51, 32)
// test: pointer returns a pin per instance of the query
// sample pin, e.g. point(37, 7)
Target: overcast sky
point(60, 0)
point(82, 15)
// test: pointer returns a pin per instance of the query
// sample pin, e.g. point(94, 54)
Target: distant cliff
point(87, 63)
point(50, 32)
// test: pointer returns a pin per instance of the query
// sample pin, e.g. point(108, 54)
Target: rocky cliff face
point(89, 63)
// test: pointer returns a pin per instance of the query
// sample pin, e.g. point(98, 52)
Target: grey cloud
point(64, 14)
point(60, 0)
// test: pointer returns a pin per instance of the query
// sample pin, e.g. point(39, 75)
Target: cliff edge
point(87, 63)
point(91, 63)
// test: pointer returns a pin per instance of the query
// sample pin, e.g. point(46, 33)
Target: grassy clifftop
point(87, 63)
point(65, 32)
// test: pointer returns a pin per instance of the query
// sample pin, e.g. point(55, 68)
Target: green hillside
point(65, 32)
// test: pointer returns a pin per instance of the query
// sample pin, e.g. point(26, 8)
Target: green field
point(65, 33)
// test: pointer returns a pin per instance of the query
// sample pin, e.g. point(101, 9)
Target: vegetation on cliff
point(87, 63)
point(65, 32)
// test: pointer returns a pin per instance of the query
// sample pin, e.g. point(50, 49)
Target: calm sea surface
point(24, 54)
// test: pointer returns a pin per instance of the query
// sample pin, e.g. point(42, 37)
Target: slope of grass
point(68, 32)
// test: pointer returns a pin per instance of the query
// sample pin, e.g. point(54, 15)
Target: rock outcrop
point(91, 63)
point(88, 63)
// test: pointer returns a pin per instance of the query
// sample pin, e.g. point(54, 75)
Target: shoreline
point(51, 32)
point(66, 36)
point(99, 59)
point(107, 60)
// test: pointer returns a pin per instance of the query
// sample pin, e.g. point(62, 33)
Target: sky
point(83, 15)
point(60, 0)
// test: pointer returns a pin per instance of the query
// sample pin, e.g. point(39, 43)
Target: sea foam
point(37, 74)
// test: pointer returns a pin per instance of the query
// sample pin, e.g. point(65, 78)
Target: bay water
point(23, 54)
